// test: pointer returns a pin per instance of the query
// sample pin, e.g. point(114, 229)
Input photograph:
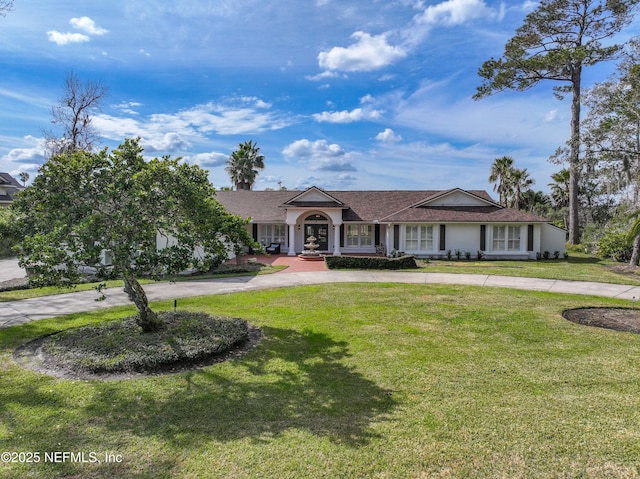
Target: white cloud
point(84, 24)
point(388, 136)
point(29, 156)
point(312, 149)
point(347, 116)
point(207, 160)
point(455, 12)
point(65, 38)
point(367, 54)
point(128, 107)
point(87, 25)
point(551, 116)
point(167, 142)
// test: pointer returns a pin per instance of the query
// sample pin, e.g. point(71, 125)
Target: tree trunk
point(147, 319)
point(574, 159)
point(635, 256)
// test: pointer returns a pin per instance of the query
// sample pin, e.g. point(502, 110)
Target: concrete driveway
point(9, 269)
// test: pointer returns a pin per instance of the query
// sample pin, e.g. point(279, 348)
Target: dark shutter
point(342, 235)
point(530, 238)
point(376, 233)
point(483, 237)
point(443, 237)
point(396, 237)
point(255, 232)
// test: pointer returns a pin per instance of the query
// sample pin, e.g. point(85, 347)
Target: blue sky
point(340, 94)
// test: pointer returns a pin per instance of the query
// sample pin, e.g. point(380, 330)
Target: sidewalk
point(19, 312)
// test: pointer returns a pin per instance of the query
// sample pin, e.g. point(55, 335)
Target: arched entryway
point(317, 225)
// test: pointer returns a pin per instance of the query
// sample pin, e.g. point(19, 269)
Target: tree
point(5, 7)
point(82, 204)
point(536, 202)
point(519, 183)
point(243, 165)
point(24, 177)
point(501, 170)
point(560, 188)
point(612, 126)
point(73, 114)
point(555, 42)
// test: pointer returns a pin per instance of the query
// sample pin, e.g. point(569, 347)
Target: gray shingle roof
point(387, 206)
point(11, 185)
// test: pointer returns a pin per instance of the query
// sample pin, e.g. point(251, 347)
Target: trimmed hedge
point(370, 262)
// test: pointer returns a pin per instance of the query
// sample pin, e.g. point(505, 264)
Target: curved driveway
point(18, 312)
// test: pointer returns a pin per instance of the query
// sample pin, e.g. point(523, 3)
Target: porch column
point(336, 239)
point(292, 240)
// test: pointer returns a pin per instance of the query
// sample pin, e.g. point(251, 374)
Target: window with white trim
point(359, 235)
point(418, 238)
point(506, 238)
point(274, 233)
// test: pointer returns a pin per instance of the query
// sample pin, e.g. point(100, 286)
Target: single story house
point(423, 223)
point(9, 186)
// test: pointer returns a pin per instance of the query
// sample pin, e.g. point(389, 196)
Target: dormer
point(455, 197)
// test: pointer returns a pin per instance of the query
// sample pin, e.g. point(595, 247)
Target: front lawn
point(578, 267)
point(350, 380)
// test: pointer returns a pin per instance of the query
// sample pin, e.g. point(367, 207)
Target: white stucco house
point(423, 223)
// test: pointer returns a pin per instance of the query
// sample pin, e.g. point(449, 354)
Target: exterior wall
point(463, 238)
point(467, 238)
point(553, 239)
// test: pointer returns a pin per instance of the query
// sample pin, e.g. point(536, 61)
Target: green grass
point(352, 380)
point(578, 267)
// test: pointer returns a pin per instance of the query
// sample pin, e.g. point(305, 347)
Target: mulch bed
point(31, 356)
point(619, 319)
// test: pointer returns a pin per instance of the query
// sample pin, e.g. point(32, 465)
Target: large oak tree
point(557, 40)
point(82, 204)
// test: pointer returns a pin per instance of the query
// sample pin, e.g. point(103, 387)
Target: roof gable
point(314, 195)
point(455, 197)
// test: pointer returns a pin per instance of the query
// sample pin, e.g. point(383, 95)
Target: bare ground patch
point(619, 319)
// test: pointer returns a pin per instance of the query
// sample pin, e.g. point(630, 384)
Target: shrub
point(546, 255)
point(614, 245)
point(370, 262)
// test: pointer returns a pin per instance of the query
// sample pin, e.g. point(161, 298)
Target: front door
point(321, 232)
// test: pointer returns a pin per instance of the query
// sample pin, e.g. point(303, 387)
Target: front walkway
point(19, 312)
point(293, 263)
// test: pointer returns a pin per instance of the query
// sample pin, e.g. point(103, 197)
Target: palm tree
point(243, 165)
point(501, 170)
point(536, 202)
point(519, 183)
point(24, 177)
point(560, 188)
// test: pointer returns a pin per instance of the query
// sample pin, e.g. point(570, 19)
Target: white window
point(272, 234)
point(359, 235)
point(418, 238)
point(506, 238)
point(366, 235)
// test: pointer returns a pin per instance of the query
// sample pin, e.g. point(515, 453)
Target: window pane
point(426, 238)
point(352, 235)
point(366, 235)
point(499, 237)
point(514, 238)
point(411, 238)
